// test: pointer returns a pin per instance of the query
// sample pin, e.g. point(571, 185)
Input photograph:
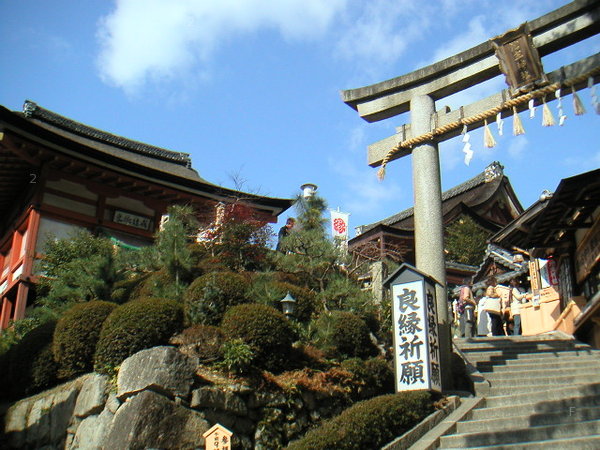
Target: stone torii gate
point(418, 91)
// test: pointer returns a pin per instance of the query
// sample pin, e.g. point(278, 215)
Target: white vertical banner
point(415, 337)
point(339, 225)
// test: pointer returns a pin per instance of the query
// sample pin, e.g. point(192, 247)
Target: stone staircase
point(534, 392)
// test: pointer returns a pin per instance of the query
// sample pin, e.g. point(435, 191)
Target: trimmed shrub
point(76, 336)
point(135, 326)
point(237, 356)
point(372, 377)
point(31, 367)
point(209, 264)
point(265, 329)
point(146, 284)
point(370, 318)
point(306, 356)
point(123, 290)
point(157, 284)
point(210, 295)
point(267, 290)
point(343, 334)
point(370, 423)
point(203, 341)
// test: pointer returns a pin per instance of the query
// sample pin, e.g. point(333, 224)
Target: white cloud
point(584, 162)
point(475, 33)
point(149, 40)
point(357, 140)
point(381, 31)
point(364, 192)
point(451, 154)
point(145, 41)
point(517, 147)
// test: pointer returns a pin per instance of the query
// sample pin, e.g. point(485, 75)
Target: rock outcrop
point(160, 401)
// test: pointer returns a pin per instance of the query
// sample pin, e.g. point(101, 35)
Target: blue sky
point(251, 88)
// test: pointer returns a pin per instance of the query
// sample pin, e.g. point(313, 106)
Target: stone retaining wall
point(160, 403)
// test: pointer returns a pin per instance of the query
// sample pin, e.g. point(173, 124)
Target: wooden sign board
point(519, 60)
point(132, 220)
point(217, 438)
point(534, 276)
point(415, 328)
point(588, 252)
point(549, 293)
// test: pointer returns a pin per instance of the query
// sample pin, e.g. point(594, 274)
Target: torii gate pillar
point(429, 230)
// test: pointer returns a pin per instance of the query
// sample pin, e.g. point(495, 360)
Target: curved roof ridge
point(492, 172)
point(34, 111)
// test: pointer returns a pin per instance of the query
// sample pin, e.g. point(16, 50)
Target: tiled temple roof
point(32, 111)
point(476, 190)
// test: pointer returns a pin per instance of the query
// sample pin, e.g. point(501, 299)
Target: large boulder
point(162, 369)
point(149, 420)
point(15, 423)
point(92, 396)
point(213, 397)
point(91, 431)
point(61, 413)
point(44, 418)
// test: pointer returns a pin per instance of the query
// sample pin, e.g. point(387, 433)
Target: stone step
point(543, 395)
point(522, 346)
point(571, 443)
point(522, 434)
point(499, 357)
point(561, 405)
point(520, 339)
point(561, 376)
point(538, 364)
point(516, 339)
point(502, 391)
point(576, 414)
point(526, 347)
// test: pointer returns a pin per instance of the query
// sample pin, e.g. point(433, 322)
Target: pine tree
point(317, 261)
point(172, 251)
point(81, 268)
point(466, 241)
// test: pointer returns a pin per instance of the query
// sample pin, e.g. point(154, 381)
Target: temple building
point(488, 200)
point(560, 234)
point(57, 175)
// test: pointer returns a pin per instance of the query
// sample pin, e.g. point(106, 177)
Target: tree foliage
point(466, 241)
point(238, 239)
point(171, 248)
point(78, 269)
point(317, 261)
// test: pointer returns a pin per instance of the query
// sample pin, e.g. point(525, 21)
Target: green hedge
point(372, 377)
point(135, 326)
point(31, 366)
point(210, 295)
point(265, 329)
point(123, 290)
point(145, 285)
point(266, 289)
point(345, 335)
point(76, 336)
point(370, 423)
point(204, 341)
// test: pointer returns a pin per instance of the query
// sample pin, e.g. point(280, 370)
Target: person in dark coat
point(284, 232)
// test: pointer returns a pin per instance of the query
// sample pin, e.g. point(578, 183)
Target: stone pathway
point(537, 392)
